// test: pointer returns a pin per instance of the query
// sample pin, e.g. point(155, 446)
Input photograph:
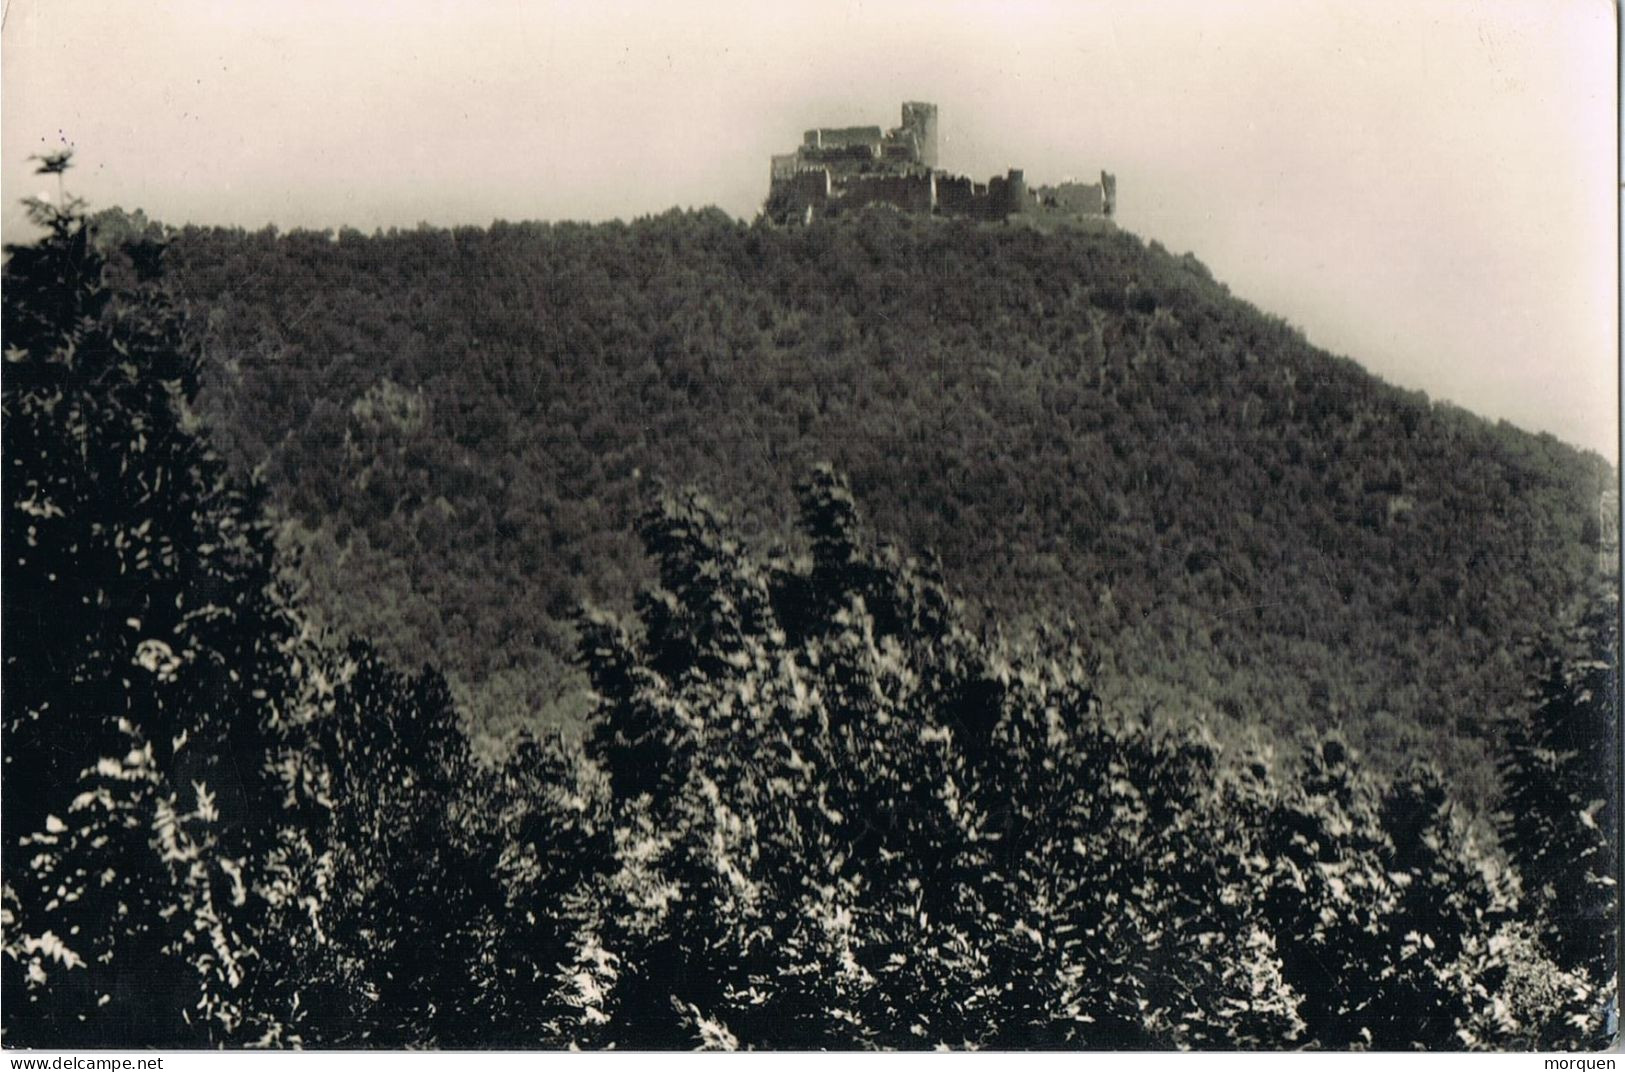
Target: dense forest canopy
point(460, 426)
point(819, 802)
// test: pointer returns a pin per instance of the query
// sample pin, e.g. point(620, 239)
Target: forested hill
point(461, 425)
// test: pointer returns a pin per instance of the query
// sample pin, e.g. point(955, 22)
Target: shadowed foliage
point(460, 426)
point(819, 802)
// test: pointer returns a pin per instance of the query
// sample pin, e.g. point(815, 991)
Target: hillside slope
point(460, 425)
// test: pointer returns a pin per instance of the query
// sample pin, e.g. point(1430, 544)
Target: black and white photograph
point(865, 525)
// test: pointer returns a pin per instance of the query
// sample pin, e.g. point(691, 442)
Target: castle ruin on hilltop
point(837, 169)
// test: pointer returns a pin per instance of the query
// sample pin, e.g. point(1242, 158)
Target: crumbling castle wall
point(799, 197)
point(785, 166)
point(958, 195)
point(911, 193)
point(841, 137)
point(1083, 199)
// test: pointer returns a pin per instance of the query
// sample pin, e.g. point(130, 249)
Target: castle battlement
point(836, 169)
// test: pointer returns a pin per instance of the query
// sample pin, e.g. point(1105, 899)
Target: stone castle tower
point(920, 123)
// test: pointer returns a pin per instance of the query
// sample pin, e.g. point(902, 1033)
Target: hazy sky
point(1427, 186)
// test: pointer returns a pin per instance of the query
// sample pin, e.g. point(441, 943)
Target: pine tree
point(1560, 814)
